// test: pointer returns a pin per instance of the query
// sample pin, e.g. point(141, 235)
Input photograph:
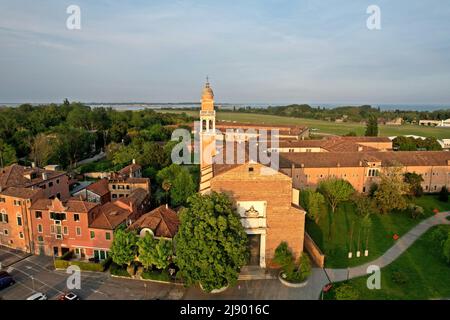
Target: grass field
point(419, 273)
point(347, 233)
point(325, 126)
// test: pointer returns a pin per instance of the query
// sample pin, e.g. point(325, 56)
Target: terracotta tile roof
point(71, 205)
point(136, 198)
point(130, 168)
point(23, 193)
point(356, 159)
point(19, 176)
point(163, 221)
point(138, 180)
point(109, 216)
point(100, 187)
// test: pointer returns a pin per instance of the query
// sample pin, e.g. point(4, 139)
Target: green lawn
point(377, 239)
point(419, 273)
point(325, 126)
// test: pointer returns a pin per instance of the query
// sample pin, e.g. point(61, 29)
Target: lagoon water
point(190, 105)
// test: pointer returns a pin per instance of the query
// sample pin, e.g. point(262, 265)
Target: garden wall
point(314, 251)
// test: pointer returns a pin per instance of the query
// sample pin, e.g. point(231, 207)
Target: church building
point(263, 197)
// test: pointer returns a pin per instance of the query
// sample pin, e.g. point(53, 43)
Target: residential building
point(85, 227)
point(54, 183)
point(362, 169)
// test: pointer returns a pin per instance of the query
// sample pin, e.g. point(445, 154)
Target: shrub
point(86, 266)
point(415, 211)
point(439, 235)
point(118, 270)
point(346, 292)
point(399, 277)
point(443, 194)
point(292, 272)
point(446, 249)
point(283, 256)
point(162, 275)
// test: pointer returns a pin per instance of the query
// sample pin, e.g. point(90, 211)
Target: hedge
point(157, 275)
point(117, 270)
point(86, 266)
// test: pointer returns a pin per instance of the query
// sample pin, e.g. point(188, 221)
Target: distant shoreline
point(190, 105)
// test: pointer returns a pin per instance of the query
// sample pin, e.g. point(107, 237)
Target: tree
point(211, 242)
point(7, 154)
point(443, 194)
point(335, 191)
point(124, 247)
point(414, 182)
point(364, 205)
point(178, 181)
point(182, 188)
point(372, 127)
point(154, 252)
point(42, 149)
point(391, 190)
point(312, 202)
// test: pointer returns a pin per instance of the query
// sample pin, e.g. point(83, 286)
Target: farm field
point(325, 126)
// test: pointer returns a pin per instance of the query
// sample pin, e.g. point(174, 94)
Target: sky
point(254, 51)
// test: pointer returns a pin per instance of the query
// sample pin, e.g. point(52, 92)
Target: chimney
point(44, 176)
point(167, 206)
point(302, 165)
point(360, 163)
point(33, 164)
point(134, 161)
point(360, 148)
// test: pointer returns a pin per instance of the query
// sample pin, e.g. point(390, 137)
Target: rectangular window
point(50, 184)
point(57, 216)
point(40, 239)
point(17, 202)
point(57, 181)
point(92, 234)
point(78, 231)
point(2, 200)
point(4, 218)
point(108, 236)
point(66, 230)
point(19, 221)
point(21, 235)
point(76, 217)
point(38, 214)
point(5, 232)
point(39, 226)
point(114, 187)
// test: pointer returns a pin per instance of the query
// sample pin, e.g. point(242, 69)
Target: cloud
point(265, 51)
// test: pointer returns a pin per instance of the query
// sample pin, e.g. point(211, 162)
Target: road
point(36, 274)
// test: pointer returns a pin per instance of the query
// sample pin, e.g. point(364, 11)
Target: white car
point(38, 296)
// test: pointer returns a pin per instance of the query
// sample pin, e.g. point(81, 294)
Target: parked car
point(70, 296)
point(6, 280)
point(38, 296)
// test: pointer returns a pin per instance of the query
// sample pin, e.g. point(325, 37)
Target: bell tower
point(207, 127)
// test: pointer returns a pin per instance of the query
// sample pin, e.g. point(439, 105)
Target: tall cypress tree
point(372, 127)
